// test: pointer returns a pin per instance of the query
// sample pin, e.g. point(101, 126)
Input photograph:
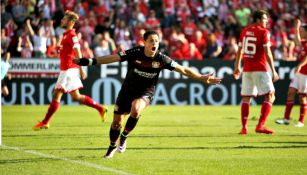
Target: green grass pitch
point(168, 140)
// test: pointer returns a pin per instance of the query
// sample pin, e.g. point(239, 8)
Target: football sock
point(88, 101)
point(302, 112)
point(114, 134)
point(265, 111)
point(53, 107)
point(130, 124)
point(244, 114)
point(122, 138)
point(289, 106)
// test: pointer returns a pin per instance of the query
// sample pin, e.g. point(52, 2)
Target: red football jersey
point(67, 52)
point(253, 38)
point(303, 54)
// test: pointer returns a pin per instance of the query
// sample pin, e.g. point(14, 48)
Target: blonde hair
point(72, 16)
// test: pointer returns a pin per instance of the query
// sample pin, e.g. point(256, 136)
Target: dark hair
point(149, 32)
point(258, 14)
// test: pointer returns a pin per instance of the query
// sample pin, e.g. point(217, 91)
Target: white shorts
point(256, 83)
point(299, 82)
point(69, 80)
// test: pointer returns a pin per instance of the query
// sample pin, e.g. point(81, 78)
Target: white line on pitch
point(83, 163)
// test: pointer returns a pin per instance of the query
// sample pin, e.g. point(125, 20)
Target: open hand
point(211, 79)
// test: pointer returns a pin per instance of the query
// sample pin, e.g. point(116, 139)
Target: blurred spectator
point(120, 31)
point(19, 12)
point(169, 17)
point(200, 41)
point(152, 22)
point(68, 4)
point(210, 7)
point(5, 41)
point(188, 27)
point(223, 10)
point(126, 43)
point(39, 40)
point(10, 28)
point(86, 50)
point(5, 16)
point(194, 53)
point(25, 48)
point(243, 15)
point(87, 31)
point(213, 49)
point(111, 43)
point(52, 49)
point(282, 41)
point(29, 5)
point(102, 49)
point(230, 49)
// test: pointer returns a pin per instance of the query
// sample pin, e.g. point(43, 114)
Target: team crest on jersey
point(155, 64)
point(122, 53)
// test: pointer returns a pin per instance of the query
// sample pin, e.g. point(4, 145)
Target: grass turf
point(167, 140)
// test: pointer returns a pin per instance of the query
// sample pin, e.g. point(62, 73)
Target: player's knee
point(135, 113)
point(75, 98)
point(116, 125)
point(5, 92)
point(271, 97)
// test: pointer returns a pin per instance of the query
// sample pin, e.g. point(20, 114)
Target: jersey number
point(249, 47)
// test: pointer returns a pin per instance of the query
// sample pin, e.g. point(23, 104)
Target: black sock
point(114, 134)
point(130, 125)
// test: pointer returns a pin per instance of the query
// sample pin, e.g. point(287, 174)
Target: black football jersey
point(143, 72)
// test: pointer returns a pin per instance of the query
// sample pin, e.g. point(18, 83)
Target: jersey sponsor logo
point(155, 64)
point(75, 39)
point(145, 74)
point(122, 53)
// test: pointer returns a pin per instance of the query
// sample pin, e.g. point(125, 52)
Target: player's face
point(64, 22)
point(151, 45)
point(264, 21)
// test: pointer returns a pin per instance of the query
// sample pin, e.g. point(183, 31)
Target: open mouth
point(153, 49)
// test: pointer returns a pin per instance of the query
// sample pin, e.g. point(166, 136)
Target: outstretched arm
point(208, 79)
point(99, 60)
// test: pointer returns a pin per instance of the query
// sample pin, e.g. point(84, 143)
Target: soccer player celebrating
point(299, 82)
point(144, 65)
point(254, 49)
point(69, 78)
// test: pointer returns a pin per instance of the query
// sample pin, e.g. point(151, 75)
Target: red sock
point(53, 107)
point(244, 114)
point(88, 101)
point(265, 111)
point(289, 106)
point(302, 112)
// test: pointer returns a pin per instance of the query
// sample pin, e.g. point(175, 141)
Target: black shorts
point(124, 101)
point(4, 82)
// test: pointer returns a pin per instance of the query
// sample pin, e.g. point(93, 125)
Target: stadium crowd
point(189, 29)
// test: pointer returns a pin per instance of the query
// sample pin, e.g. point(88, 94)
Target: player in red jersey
point(254, 50)
point(144, 66)
point(299, 82)
point(69, 77)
